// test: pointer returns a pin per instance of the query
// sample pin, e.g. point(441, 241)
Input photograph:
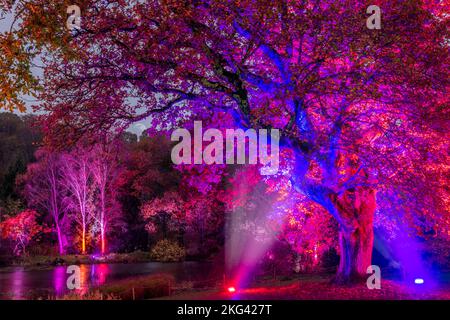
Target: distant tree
point(165, 215)
point(148, 173)
point(19, 139)
point(205, 216)
point(150, 170)
point(129, 138)
point(10, 207)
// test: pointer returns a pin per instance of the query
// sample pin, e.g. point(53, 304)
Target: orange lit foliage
point(21, 229)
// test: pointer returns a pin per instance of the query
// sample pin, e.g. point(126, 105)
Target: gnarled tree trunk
point(356, 207)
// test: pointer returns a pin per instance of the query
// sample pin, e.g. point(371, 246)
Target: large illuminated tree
point(355, 106)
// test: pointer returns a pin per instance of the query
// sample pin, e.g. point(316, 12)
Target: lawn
point(318, 287)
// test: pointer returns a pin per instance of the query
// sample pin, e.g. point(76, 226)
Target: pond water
point(20, 283)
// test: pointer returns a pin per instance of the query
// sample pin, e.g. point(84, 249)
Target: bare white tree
point(43, 191)
point(78, 181)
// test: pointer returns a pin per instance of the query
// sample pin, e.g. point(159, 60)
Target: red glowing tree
point(21, 229)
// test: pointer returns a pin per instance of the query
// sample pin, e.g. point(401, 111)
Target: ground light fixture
point(231, 289)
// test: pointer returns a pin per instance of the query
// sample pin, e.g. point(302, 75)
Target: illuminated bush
point(167, 251)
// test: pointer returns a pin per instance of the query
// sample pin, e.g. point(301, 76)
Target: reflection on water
point(17, 279)
point(99, 273)
point(20, 283)
point(59, 280)
point(90, 275)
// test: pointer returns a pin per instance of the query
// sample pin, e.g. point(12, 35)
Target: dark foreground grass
point(318, 288)
point(304, 287)
point(138, 288)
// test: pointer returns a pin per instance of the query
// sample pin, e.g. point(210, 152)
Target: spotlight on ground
point(231, 289)
point(419, 281)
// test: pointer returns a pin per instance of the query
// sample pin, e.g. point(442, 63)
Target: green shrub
point(167, 251)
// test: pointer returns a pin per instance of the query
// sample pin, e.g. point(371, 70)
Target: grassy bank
point(49, 261)
point(305, 287)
